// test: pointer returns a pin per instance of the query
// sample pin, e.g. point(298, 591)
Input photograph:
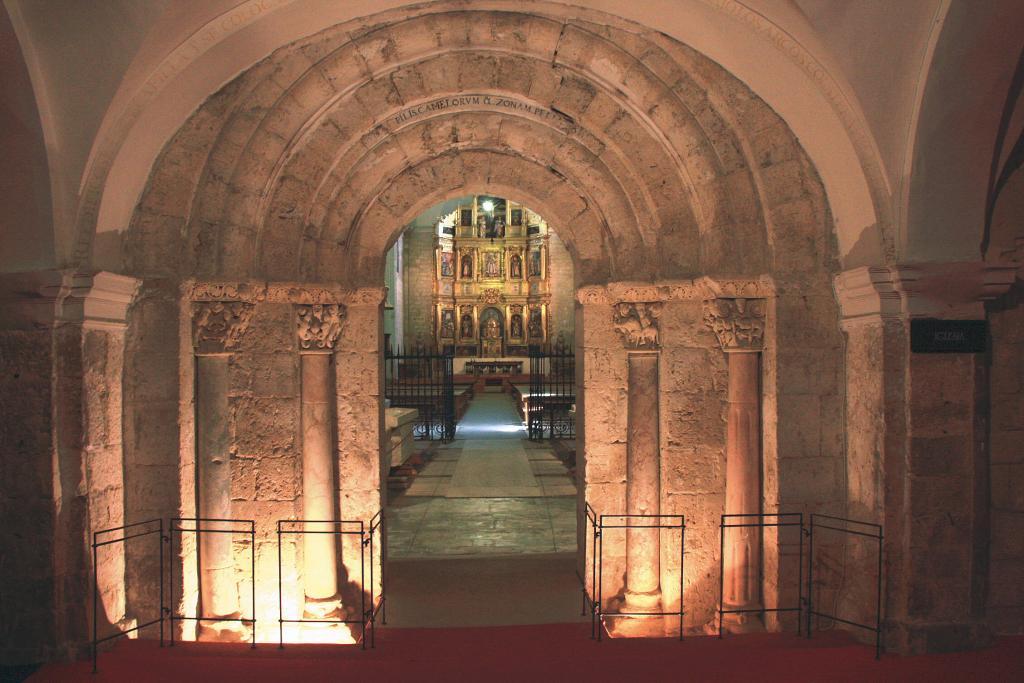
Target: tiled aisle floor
point(427, 520)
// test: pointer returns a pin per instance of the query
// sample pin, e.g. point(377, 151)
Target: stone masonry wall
point(152, 448)
point(266, 462)
point(102, 372)
point(26, 576)
point(418, 279)
point(1006, 578)
point(561, 316)
point(694, 384)
point(601, 374)
point(942, 570)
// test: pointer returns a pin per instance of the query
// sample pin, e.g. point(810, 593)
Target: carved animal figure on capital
point(637, 323)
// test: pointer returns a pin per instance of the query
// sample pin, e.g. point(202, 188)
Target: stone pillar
point(739, 325)
point(601, 407)
point(61, 370)
point(637, 325)
point(643, 484)
point(217, 328)
point(318, 330)
point(362, 467)
point(102, 307)
point(918, 452)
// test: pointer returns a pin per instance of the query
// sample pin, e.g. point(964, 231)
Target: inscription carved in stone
point(219, 325)
point(319, 326)
point(637, 323)
point(738, 323)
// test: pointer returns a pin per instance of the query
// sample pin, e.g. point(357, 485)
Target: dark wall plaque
point(928, 335)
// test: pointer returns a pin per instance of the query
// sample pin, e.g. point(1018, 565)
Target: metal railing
point(551, 404)
point(128, 532)
point(635, 521)
point(214, 525)
point(736, 521)
point(862, 529)
point(423, 379)
point(340, 529)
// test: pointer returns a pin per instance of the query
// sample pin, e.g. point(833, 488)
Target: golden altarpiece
point(491, 293)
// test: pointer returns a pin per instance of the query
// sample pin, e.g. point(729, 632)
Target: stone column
point(739, 326)
point(61, 371)
point(318, 329)
point(101, 303)
point(917, 452)
point(643, 484)
point(637, 325)
point(362, 468)
point(217, 328)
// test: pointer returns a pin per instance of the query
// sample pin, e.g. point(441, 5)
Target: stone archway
point(654, 164)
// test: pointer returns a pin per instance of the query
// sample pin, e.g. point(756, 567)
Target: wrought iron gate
point(422, 379)
point(551, 405)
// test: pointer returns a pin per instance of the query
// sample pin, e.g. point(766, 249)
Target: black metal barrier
point(340, 529)
point(782, 519)
point(598, 615)
point(377, 522)
point(128, 532)
point(863, 529)
point(198, 529)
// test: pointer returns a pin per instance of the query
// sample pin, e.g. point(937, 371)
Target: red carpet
point(543, 653)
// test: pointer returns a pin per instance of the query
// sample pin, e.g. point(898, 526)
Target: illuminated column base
point(742, 585)
point(318, 327)
point(217, 577)
point(643, 497)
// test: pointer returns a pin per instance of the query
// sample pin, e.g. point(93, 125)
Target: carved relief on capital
point(738, 323)
point(366, 296)
point(218, 326)
point(591, 295)
point(637, 323)
point(319, 326)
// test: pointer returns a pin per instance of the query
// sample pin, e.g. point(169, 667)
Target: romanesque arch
point(670, 182)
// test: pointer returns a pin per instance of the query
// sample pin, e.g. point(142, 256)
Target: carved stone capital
point(738, 323)
point(258, 291)
point(366, 296)
point(319, 326)
point(637, 323)
point(218, 326)
point(592, 295)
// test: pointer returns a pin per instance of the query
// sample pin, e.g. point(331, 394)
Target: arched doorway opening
point(478, 288)
point(675, 187)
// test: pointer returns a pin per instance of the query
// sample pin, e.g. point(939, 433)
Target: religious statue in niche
point(467, 266)
point(466, 329)
point(447, 264)
point(515, 267)
point(492, 264)
point(516, 326)
point(481, 225)
point(535, 263)
point(491, 332)
point(536, 326)
point(499, 227)
point(447, 324)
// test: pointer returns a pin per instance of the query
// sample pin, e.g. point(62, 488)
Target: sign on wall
point(928, 335)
